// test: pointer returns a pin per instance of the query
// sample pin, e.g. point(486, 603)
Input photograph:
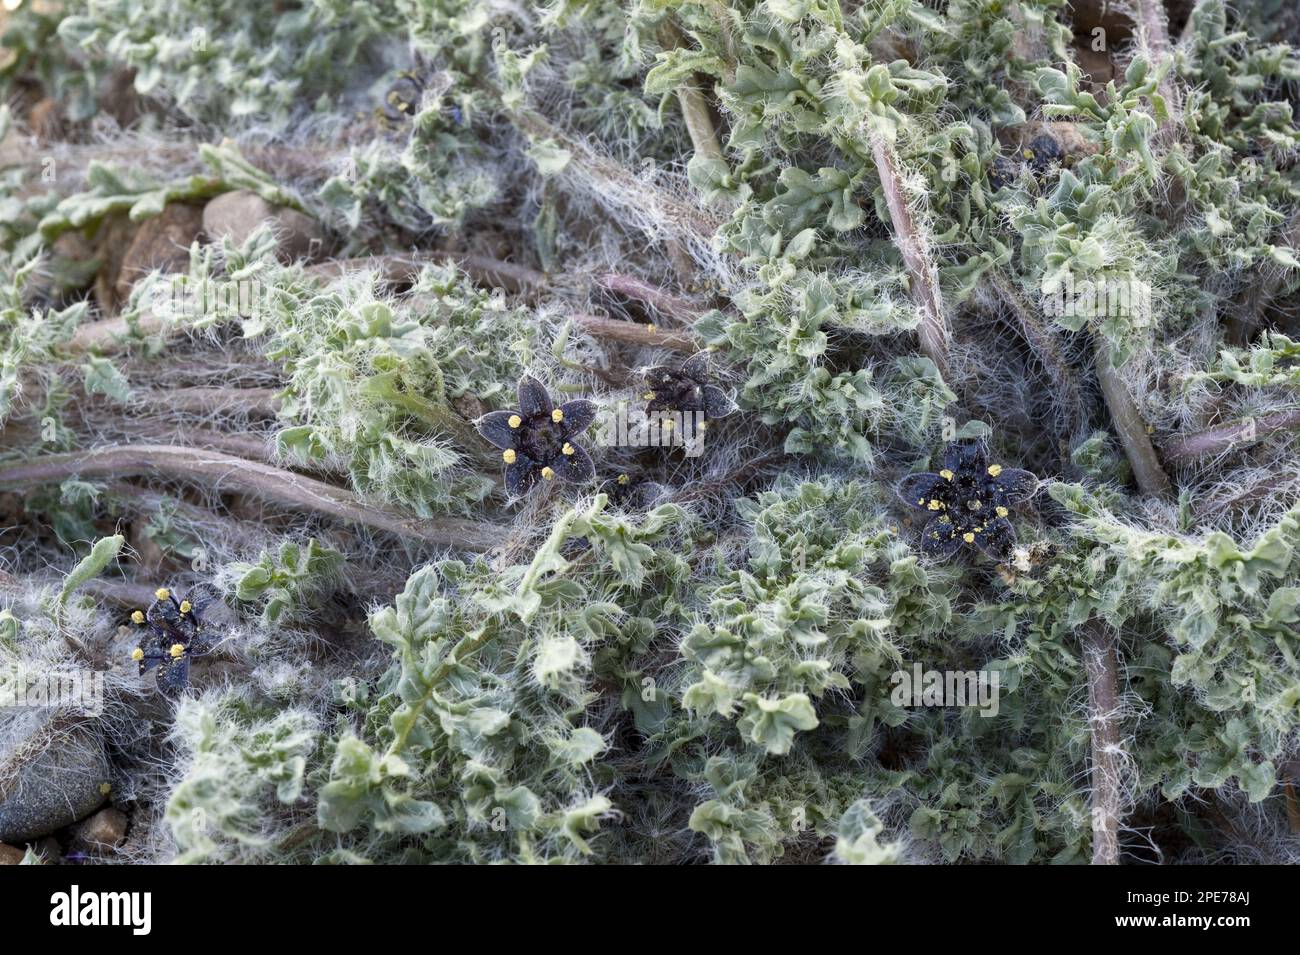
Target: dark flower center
point(540, 438)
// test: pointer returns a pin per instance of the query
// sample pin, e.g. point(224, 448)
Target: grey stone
point(234, 215)
point(52, 773)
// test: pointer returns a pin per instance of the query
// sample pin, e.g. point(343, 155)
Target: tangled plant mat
point(762, 431)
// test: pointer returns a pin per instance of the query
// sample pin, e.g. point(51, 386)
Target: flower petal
point(495, 427)
point(996, 538)
point(939, 539)
point(917, 490)
point(717, 403)
point(578, 416)
point(174, 674)
point(533, 397)
point(697, 366)
point(576, 468)
point(1013, 485)
point(521, 477)
point(965, 456)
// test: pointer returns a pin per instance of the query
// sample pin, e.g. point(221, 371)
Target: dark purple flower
point(176, 632)
point(537, 440)
point(688, 389)
point(968, 501)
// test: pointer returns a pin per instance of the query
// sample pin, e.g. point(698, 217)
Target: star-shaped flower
point(176, 633)
point(537, 440)
point(402, 99)
point(686, 389)
point(968, 501)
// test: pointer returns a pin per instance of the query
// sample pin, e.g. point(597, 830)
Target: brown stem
point(663, 302)
point(634, 334)
point(1226, 437)
point(933, 331)
point(405, 268)
point(229, 473)
point(257, 402)
point(1133, 435)
point(1099, 660)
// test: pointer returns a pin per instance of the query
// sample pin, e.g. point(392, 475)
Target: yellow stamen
point(974, 505)
point(105, 789)
point(968, 538)
point(668, 424)
point(137, 616)
point(1028, 154)
point(995, 470)
point(186, 606)
point(650, 328)
point(624, 479)
point(557, 415)
point(1002, 512)
point(548, 474)
point(162, 593)
point(178, 650)
point(946, 474)
point(649, 396)
point(515, 421)
point(935, 505)
point(703, 425)
point(567, 449)
point(137, 654)
point(508, 455)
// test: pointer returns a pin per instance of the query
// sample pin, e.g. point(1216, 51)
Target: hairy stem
point(1226, 437)
point(933, 331)
point(634, 334)
point(229, 473)
point(1151, 477)
point(1099, 660)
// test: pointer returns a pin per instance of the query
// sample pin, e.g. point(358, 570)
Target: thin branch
point(933, 331)
point(1226, 437)
point(1099, 660)
point(229, 473)
point(635, 334)
point(405, 267)
point(1151, 477)
point(638, 290)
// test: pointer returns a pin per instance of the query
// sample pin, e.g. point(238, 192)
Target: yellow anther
point(974, 505)
point(704, 425)
point(968, 538)
point(668, 424)
point(567, 449)
point(650, 328)
point(557, 415)
point(137, 654)
point(548, 474)
point(995, 470)
point(624, 479)
point(515, 421)
point(935, 505)
point(946, 474)
point(162, 593)
point(1002, 512)
point(649, 396)
point(178, 650)
point(105, 789)
point(508, 455)
point(137, 616)
point(186, 606)
point(1028, 154)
